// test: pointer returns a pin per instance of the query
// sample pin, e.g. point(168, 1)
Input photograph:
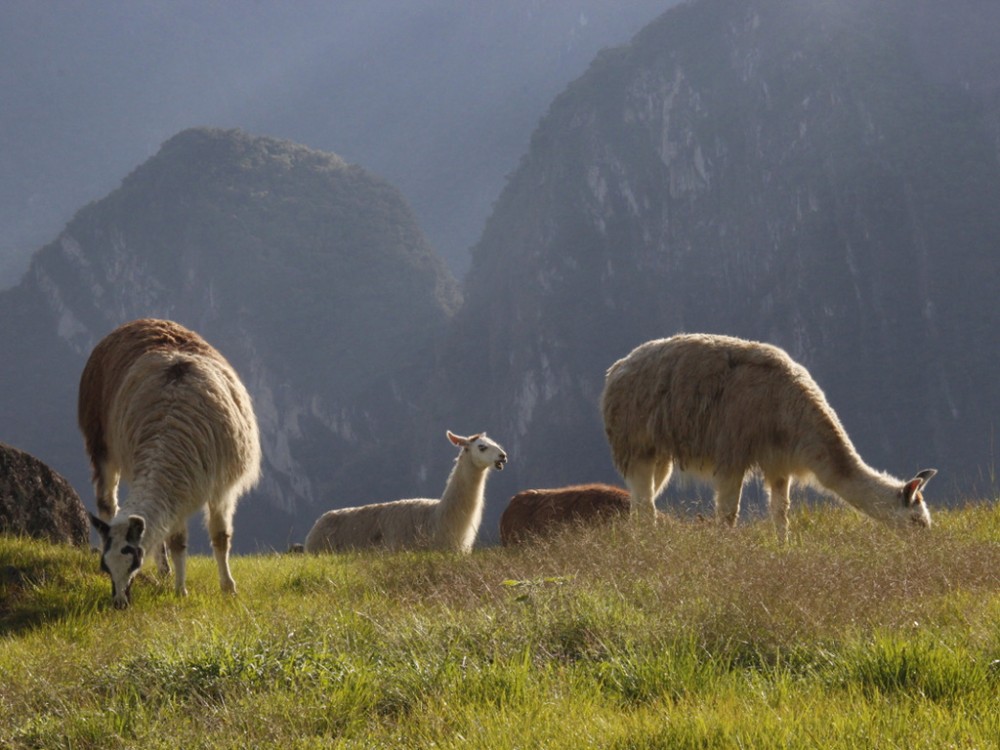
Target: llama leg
point(162, 561)
point(727, 499)
point(220, 529)
point(177, 543)
point(106, 488)
point(778, 502)
point(661, 476)
point(640, 482)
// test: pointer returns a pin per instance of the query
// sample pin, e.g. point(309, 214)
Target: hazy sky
point(437, 96)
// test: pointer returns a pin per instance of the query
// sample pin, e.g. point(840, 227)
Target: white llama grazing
point(448, 524)
point(162, 409)
point(719, 407)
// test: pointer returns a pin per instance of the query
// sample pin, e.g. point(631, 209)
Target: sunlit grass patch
point(682, 635)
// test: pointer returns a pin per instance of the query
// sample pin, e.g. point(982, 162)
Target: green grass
point(680, 636)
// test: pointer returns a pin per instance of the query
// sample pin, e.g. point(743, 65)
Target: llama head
point(482, 451)
point(914, 509)
point(121, 554)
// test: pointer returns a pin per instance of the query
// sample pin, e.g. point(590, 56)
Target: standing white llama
point(450, 523)
point(160, 408)
point(719, 407)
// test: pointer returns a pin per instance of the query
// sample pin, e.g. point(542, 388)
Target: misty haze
point(398, 219)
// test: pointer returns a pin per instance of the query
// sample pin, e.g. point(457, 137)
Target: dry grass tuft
point(726, 588)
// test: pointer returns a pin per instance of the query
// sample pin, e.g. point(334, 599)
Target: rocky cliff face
point(309, 274)
point(800, 173)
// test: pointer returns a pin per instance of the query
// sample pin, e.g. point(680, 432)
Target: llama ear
point(136, 528)
point(101, 527)
point(911, 490)
point(457, 439)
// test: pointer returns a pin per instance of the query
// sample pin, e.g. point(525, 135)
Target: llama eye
point(482, 448)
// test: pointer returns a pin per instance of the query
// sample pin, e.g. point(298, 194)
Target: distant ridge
point(285, 258)
point(808, 174)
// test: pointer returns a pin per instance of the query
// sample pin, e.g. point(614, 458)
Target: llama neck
point(872, 492)
point(152, 504)
point(465, 487)
point(461, 504)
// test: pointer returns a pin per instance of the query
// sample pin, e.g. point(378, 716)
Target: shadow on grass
point(42, 583)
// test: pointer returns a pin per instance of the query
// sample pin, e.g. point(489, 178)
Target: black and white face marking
point(126, 561)
point(121, 555)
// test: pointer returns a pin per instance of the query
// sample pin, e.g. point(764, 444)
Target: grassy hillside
point(682, 636)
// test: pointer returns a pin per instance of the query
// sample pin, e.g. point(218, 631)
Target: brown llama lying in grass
point(161, 408)
point(539, 513)
point(720, 407)
point(448, 524)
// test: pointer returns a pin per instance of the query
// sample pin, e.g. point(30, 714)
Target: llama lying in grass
point(719, 407)
point(448, 524)
point(538, 513)
point(160, 408)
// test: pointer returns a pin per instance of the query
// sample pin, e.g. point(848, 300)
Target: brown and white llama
point(160, 408)
point(540, 513)
point(448, 524)
point(719, 407)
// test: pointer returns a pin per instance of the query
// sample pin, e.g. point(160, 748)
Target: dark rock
point(38, 502)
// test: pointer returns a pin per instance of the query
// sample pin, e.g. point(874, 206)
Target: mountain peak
point(778, 170)
point(309, 274)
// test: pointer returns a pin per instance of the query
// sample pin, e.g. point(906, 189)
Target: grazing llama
point(448, 524)
point(539, 513)
point(719, 407)
point(160, 408)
